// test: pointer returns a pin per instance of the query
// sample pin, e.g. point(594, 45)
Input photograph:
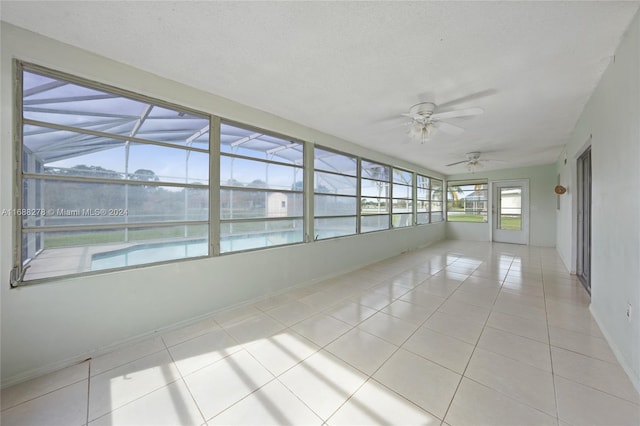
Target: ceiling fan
point(425, 120)
point(473, 161)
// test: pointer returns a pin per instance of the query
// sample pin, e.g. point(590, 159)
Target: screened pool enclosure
point(111, 179)
point(105, 172)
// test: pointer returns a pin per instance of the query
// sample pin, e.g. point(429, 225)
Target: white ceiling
point(351, 68)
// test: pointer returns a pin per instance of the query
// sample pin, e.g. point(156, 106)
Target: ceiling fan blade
point(415, 117)
point(458, 113)
point(471, 97)
point(459, 162)
point(448, 128)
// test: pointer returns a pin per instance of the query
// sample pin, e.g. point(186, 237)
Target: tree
point(234, 182)
point(144, 175)
point(455, 192)
point(258, 183)
point(84, 171)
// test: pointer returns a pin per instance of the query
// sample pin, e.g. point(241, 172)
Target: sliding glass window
point(375, 196)
point(109, 179)
point(402, 205)
point(335, 194)
point(436, 201)
point(261, 189)
point(467, 201)
point(423, 192)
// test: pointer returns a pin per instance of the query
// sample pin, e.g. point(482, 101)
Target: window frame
point(214, 187)
point(410, 200)
point(441, 201)
point(426, 200)
point(356, 196)
point(21, 265)
point(470, 182)
point(389, 198)
point(219, 187)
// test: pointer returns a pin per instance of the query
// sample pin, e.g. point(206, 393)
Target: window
point(510, 206)
point(429, 199)
point(109, 179)
point(374, 196)
point(423, 208)
point(335, 194)
point(436, 201)
point(261, 189)
point(467, 201)
point(402, 206)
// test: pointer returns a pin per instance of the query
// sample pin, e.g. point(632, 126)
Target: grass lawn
point(513, 223)
point(466, 218)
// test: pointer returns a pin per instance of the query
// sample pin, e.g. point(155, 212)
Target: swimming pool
point(140, 254)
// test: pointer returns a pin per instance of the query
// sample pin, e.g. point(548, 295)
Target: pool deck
point(67, 261)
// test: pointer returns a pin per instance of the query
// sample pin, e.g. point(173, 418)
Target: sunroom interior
point(180, 170)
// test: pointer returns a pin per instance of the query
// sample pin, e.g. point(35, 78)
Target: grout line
point(553, 374)
point(168, 383)
point(451, 253)
point(586, 356)
point(462, 376)
point(40, 395)
point(499, 391)
point(350, 396)
point(137, 358)
point(184, 381)
point(599, 390)
point(370, 376)
point(88, 390)
point(398, 347)
point(300, 399)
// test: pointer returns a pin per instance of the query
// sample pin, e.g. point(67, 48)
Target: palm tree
point(455, 191)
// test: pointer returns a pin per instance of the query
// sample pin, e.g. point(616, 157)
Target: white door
point(510, 211)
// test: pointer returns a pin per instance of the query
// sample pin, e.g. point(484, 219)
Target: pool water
point(141, 254)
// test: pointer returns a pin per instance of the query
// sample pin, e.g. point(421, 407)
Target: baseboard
point(68, 362)
point(635, 380)
point(566, 263)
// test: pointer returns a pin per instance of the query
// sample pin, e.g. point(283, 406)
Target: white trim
point(526, 208)
point(635, 380)
point(573, 266)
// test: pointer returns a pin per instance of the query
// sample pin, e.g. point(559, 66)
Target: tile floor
point(455, 334)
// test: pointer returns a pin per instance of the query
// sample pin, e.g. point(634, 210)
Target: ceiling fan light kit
point(420, 131)
point(472, 166)
point(473, 161)
point(425, 121)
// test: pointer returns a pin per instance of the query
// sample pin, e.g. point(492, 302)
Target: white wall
point(47, 326)
point(610, 123)
point(565, 226)
point(542, 205)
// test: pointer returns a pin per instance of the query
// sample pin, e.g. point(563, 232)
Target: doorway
point(583, 266)
point(510, 212)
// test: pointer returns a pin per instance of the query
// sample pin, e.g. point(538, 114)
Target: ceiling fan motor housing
point(472, 156)
point(424, 109)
